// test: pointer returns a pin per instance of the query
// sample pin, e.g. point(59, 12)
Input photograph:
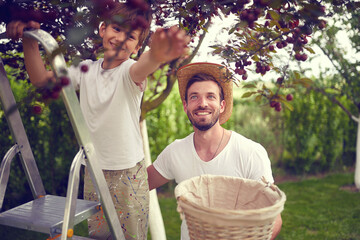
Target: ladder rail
point(5, 171)
point(82, 133)
point(71, 195)
point(17, 129)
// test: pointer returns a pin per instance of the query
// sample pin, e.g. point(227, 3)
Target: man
point(206, 93)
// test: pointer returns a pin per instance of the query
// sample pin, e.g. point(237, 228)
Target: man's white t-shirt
point(110, 102)
point(241, 157)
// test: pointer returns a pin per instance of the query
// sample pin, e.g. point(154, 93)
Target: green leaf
point(247, 94)
point(306, 82)
point(309, 49)
point(232, 30)
point(258, 98)
point(288, 105)
point(249, 86)
point(274, 15)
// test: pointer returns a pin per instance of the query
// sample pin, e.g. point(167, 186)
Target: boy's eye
point(116, 28)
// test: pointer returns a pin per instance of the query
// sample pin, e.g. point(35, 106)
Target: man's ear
point(102, 29)
point(222, 106)
point(184, 106)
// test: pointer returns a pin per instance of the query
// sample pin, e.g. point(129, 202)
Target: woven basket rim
point(275, 208)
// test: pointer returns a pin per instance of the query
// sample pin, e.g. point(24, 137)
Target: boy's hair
point(125, 15)
point(201, 77)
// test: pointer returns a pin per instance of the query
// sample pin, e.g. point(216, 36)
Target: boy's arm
point(166, 45)
point(34, 64)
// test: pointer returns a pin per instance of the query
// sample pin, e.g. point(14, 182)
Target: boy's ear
point(102, 29)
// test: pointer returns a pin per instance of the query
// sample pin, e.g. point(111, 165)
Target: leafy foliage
point(314, 135)
point(52, 141)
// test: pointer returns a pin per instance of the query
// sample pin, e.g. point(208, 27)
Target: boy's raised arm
point(165, 46)
point(34, 64)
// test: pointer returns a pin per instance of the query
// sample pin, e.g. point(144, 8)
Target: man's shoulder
point(181, 141)
point(244, 141)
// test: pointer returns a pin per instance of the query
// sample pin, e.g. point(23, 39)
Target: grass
point(316, 208)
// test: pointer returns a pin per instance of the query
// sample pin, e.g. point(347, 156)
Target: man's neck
point(208, 144)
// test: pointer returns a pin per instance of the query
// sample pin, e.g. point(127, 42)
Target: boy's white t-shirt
point(110, 102)
point(241, 157)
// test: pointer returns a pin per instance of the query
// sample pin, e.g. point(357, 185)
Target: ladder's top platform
point(46, 214)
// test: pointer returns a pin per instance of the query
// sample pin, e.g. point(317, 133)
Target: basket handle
point(179, 209)
point(270, 185)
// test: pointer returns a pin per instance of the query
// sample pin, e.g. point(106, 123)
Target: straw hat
point(219, 72)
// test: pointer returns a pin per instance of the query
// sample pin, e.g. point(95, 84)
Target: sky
point(217, 34)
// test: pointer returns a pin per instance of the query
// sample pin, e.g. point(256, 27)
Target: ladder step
point(80, 238)
point(46, 214)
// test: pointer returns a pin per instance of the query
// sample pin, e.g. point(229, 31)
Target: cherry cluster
point(50, 92)
point(276, 103)
point(250, 16)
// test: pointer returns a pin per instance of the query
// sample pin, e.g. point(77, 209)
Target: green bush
point(314, 134)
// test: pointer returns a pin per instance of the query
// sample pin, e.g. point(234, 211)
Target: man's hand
point(168, 44)
point(15, 29)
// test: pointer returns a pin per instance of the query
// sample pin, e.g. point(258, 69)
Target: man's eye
point(193, 97)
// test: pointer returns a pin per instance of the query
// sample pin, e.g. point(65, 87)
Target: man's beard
point(204, 126)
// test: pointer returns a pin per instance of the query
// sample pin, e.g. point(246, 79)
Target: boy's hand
point(168, 44)
point(15, 29)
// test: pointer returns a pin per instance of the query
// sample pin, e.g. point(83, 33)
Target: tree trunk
point(357, 163)
point(156, 223)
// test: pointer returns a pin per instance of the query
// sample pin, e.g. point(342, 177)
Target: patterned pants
point(130, 193)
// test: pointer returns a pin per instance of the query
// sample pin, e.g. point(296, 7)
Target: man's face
point(203, 105)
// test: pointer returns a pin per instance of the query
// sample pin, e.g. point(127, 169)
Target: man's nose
point(203, 102)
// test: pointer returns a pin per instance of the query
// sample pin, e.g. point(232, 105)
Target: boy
point(110, 97)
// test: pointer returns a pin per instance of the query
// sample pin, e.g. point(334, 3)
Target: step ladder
point(53, 215)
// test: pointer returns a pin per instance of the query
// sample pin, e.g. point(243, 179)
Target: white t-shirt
point(110, 102)
point(241, 157)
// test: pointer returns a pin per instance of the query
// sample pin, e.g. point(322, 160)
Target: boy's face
point(116, 43)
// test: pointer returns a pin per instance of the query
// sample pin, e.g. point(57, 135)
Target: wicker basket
point(222, 207)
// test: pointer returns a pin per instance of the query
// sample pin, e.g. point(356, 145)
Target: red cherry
point(37, 109)
point(280, 80)
point(298, 56)
point(289, 97)
point(84, 68)
point(304, 57)
point(278, 107)
point(322, 24)
point(57, 88)
point(64, 81)
point(242, 71)
point(55, 95)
